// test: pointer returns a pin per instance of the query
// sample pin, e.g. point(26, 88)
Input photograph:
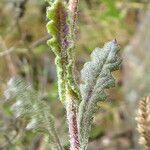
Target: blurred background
point(23, 52)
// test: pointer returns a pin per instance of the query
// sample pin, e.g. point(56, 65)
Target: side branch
point(73, 7)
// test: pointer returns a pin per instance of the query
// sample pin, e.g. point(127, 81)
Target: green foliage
point(112, 10)
point(97, 132)
point(7, 109)
point(62, 45)
point(29, 105)
point(58, 43)
point(96, 77)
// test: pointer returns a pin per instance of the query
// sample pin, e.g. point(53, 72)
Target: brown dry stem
point(143, 120)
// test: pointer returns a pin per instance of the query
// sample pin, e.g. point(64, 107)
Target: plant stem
point(72, 122)
point(71, 107)
point(58, 141)
point(73, 7)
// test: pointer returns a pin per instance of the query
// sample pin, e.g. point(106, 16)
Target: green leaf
point(30, 105)
point(7, 109)
point(61, 44)
point(96, 77)
point(58, 28)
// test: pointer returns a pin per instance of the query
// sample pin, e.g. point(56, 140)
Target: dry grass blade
point(143, 120)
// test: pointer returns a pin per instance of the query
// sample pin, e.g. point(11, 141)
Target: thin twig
point(40, 41)
point(9, 60)
point(6, 52)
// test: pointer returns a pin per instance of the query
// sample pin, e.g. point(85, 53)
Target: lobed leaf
point(61, 44)
point(29, 104)
point(96, 77)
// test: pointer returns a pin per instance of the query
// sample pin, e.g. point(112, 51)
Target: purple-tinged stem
point(72, 123)
point(73, 7)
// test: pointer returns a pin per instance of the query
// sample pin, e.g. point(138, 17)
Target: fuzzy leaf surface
point(61, 45)
point(96, 78)
point(28, 104)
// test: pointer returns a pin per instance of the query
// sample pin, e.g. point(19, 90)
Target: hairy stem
point(72, 122)
point(73, 7)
